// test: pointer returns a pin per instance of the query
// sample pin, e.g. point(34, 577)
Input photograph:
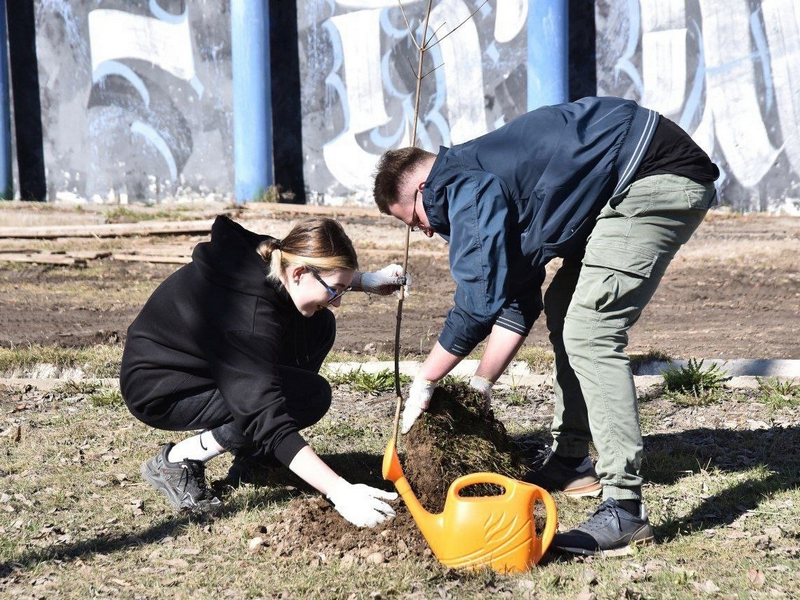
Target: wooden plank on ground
point(313, 209)
point(89, 254)
point(42, 258)
point(176, 260)
point(109, 230)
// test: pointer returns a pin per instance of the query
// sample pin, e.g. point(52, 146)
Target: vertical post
point(252, 110)
point(582, 33)
point(6, 176)
point(21, 21)
point(548, 44)
point(287, 121)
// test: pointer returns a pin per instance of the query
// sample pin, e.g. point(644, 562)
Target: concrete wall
point(358, 87)
point(136, 95)
point(136, 98)
point(727, 71)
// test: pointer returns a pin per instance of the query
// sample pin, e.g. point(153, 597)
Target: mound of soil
point(311, 527)
point(457, 435)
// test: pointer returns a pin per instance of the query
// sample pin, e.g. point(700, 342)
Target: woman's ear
point(297, 272)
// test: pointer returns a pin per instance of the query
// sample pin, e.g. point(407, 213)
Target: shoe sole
point(593, 490)
point(615, 552)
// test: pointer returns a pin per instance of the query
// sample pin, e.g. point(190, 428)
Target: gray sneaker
point(183, 483)
point(610, 531)
point(554, 476)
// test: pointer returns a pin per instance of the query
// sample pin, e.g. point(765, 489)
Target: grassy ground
point(76, 520)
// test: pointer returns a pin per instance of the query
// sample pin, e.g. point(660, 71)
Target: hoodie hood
point(231, 260)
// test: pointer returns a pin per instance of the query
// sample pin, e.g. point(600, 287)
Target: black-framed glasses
point(334, 294)
point(415, 222)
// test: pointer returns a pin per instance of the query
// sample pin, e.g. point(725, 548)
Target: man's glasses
point(334, 294)
point(415, 224)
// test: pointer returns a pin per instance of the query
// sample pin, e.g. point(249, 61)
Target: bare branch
point(411, 66)
point(408, 25)
point(431, 71)
point(452, 31)
point(433, 35)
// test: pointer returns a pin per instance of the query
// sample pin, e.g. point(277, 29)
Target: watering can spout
point(430, 524)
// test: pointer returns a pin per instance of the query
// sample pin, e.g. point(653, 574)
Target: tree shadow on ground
point(668, 457)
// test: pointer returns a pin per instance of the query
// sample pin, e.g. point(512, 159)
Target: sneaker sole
point(615, 552)
point(592, 490)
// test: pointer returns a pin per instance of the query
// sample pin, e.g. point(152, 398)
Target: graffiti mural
point(728, 72)
point(358, 84)
point(136, 98)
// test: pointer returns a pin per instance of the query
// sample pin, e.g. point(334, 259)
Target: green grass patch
point(516, 398)
point(693, 378)
point(776, 393)
point(106, 398)
point(122, 214)
point(538, 359)
point(361, 381)
point(100, 361)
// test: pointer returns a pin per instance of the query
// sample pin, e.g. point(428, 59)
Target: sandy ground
point(732, 292)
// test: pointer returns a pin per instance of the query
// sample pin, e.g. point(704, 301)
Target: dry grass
point(76, 520)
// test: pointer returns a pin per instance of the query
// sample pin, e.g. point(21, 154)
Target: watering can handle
point(474, 478)
point(551, 523)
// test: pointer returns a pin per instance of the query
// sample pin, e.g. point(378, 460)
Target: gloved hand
point(360, 503)
point(419, 398)
point(385, 281)
point(484, 387)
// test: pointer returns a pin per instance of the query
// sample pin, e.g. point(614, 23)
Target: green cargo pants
point(591, 304)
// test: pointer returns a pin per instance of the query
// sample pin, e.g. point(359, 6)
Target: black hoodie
point(218, 323)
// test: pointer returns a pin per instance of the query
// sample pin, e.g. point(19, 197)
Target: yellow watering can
point(475, 532)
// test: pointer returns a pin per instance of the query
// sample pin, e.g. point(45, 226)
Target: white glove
point(484, 387)
point(385, 281)
point(419, 398)
point(359, 503)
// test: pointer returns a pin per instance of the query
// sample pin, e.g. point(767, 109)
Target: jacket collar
point(434, 196)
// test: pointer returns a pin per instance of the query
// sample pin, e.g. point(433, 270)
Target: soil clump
point(457, 435)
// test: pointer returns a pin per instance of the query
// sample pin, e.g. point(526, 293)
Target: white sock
point(202, 447)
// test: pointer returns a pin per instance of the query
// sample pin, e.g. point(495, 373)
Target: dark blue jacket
point(513, 199)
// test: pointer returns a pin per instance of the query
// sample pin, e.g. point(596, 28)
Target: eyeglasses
point(334, 294)
point(415, 222)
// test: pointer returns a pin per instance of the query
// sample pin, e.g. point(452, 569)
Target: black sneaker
point(610, 531)
point(183, 483)
point(555, 476)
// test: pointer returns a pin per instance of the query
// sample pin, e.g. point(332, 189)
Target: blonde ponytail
point(318, 243)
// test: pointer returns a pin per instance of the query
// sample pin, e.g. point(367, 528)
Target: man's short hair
point(393, 167)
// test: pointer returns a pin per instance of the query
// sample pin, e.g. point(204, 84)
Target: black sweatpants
point(308, 394)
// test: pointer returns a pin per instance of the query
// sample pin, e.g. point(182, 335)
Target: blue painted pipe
point(6, 176)
point(252, 106)
point(548, 52)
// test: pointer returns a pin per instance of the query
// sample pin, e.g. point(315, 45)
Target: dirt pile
point(457, 435)
point(312, 528)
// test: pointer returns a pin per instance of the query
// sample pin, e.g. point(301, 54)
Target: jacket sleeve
point(244, 366)
point(478, 260)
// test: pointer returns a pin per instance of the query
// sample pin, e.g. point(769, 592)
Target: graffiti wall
point(728, 72)
point(136, 98)
point(358, 82)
